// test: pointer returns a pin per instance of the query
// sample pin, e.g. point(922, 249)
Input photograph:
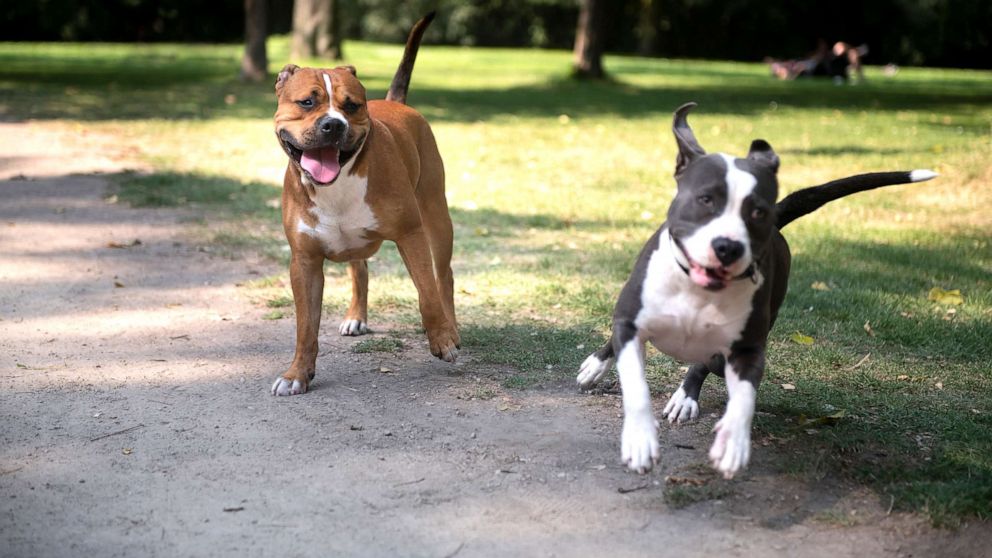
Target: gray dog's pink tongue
point(322, 164)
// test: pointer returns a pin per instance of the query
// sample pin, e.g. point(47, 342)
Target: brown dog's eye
point(306, 103)
point(758, 213)
point(350, 106)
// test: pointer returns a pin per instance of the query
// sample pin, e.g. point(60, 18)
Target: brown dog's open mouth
point(322, 165)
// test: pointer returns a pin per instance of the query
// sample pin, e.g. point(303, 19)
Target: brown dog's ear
point(763, 153)
point(350, 68)
point(689, 148)
point(287, 70)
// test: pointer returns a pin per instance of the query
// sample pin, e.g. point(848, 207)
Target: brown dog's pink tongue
point(322, 164)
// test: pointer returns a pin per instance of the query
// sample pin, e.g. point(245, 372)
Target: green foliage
point(378, 345)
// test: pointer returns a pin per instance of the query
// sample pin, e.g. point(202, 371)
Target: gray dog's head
point(724, 211)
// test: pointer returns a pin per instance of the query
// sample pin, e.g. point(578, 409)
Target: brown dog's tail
point(808, 200)
point(401, 81)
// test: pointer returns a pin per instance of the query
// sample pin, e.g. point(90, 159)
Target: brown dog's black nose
point(727, 251)
point(333, 127)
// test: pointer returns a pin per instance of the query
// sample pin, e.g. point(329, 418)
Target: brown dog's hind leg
point(441, 332)
point(437, 225)
point(306, 273)
point(356, 319)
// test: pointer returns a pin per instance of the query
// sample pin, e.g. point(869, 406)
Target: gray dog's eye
point(705, 200)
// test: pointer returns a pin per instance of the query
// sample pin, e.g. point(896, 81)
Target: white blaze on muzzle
point(331, 111)
point(323, 164)
point(729, 224)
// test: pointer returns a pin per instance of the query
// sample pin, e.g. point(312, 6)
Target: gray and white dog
point(706, 289)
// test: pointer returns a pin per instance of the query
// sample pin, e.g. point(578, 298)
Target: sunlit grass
point(554, 186)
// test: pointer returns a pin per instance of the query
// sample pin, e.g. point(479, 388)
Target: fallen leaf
point(235, 509)
point(863, 360)
point(820, 286)
point(902, 377)
point(939, 385)
point(134, 242)
point(385, 369)
point(801, 339)
point(788, 387)
point(118, 284)
point(868, 329)
point(507, 405)
point(126, 451)
point(940, 296)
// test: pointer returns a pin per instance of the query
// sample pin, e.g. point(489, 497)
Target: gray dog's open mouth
point(711, 278)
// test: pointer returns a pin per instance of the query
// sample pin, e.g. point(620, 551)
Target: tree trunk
point(255, 62)
point(589, 35)
point(647, 28)
point(316, 29)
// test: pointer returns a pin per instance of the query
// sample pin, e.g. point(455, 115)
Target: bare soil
point(137, 420)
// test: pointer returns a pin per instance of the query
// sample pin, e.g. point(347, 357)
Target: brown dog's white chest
point(340, 217)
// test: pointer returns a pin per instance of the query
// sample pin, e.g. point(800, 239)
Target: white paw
point(282, 386)
point(732, 446)
point(680, 408)
point(353, 327)
point(592, 371)
point(639, 448)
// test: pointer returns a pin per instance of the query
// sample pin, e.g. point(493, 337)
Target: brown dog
point(360, 173)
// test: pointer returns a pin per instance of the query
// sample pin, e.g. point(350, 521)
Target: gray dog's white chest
point(685, 322)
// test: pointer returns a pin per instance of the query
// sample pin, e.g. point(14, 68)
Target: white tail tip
point(922, 175)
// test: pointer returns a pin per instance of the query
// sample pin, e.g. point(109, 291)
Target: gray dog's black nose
point(332, 126)
point(727, 251)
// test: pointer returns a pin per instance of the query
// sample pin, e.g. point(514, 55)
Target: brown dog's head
point(322, 120)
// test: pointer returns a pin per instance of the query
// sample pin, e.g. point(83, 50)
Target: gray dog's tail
point(808, 200)
point(401, 81)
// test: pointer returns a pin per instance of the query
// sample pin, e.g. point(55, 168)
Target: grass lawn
point(554, 187)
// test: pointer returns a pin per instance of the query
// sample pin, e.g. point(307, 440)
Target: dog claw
point(283, 386)
point(592, 371)
point(451, 355)
point(352, 328)
point(680, 408)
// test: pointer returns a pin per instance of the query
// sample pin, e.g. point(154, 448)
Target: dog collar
point(750, 273)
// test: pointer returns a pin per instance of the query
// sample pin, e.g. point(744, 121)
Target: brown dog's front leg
point(441, 333)
point(306, 273)
point(356, 319)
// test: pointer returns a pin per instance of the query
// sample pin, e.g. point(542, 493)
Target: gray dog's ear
point(763, 153)
point(287, 70)
point(689, 148)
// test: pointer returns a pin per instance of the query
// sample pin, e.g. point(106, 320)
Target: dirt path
point(137, 422)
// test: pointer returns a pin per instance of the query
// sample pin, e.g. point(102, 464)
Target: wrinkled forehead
point(320, 79)
point(718, 169)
